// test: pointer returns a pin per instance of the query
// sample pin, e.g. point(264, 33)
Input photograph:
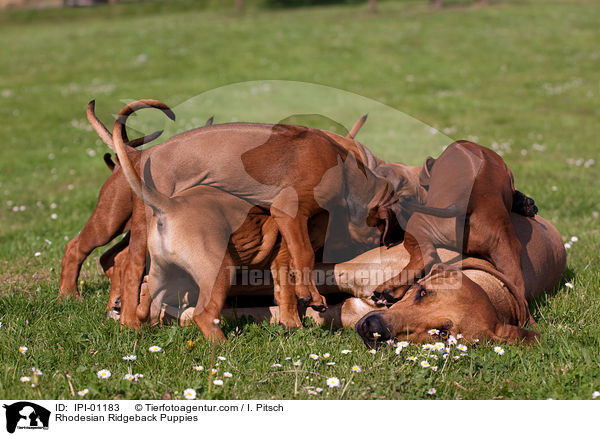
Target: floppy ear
point(425, 173)
point(387, 222)
point(512, 333)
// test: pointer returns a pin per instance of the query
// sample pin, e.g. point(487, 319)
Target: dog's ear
point(512, 333)
point(386, 221)
point(425, 174)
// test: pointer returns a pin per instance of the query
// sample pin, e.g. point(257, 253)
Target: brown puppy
point(479, 182)
point(110, 217)
point(131, 263)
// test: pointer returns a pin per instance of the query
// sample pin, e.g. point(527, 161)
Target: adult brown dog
point(544, 261)
point(265, 165)
point(477, 180)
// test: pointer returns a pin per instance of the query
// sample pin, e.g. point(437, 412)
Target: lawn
point(519, 76)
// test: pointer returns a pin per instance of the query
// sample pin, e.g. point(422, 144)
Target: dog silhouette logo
point(26, 415)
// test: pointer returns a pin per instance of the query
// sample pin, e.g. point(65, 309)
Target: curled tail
point(105, 135)
point(153, 198)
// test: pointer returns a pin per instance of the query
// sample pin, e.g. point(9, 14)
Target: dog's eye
point(443, 334)
point(422, 292)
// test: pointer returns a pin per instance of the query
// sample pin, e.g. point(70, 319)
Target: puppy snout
point(373, 329)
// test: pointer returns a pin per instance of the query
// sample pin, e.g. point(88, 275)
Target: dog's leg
point(207, 314)
point(284, 292)
point(106, 222)
point(503, 249)
point(143, 310)
point(295, 234)
point(108, 258)
point(116, 280)
point(134, 271)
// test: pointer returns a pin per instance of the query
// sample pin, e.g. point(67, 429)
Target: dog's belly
point(256, 242)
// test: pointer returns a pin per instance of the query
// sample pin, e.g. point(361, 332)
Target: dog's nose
point(373, 329)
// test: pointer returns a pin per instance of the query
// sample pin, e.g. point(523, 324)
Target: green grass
point(515, 74)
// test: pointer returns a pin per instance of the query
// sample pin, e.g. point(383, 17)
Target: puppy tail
point(153, 198)
point(105, 135)
point(357, 126)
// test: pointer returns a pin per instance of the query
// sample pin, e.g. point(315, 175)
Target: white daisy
point(402, 344)
point(427, 346)
point(155, 349)
point(373, 351)
point(227, 374)
point(333, 382)
point(319, 390)
point(218, 382)
point(221, 358)
point(356, 368)
point(103, 373)
point(411, 358)
point(499, 350)
point(83, 393)
point(431, 391)
point(569, 285)
point(190, 394)
point(326, 355)
point(330, 363)
point(23, 350)
point(36, 371)
point(452, 340)
point(346, 351)
point(298, 362)
point(425, 364)
point(313, 356)
point(25, 379)
point(461, 347)
point(198, 367)
point(433, 332)
point(130, 357)
point(595, 395)
point(574, 239)
point(129, 377)
point(276, 365)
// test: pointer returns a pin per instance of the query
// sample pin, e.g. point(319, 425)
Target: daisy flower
point(155, 349)
point(425, 364)
point(427, 347)
point(595, 395)
point(333, 382)
point(218, 382)
point(452, 340)
point(373, 351)
point(356, 368)
point(227, 374)
point(326, 355)
point(346, 351)
point(198, 367)
point(439, 346)
point(83, 393)
point(25, 379)
point(276, 365)
point(569, 285)
point(103, 373)
point(459, 336)
point(298, 362)
point(313, 356)
point(402, 344)
point(376, 335)
point(221, 358)
point(433, 332)
point(431, 391)
point(434, 368)
point(129, 377)
point(411, 358)
point(36, 371)
point(319, 390)
point(138, 376)
point(567, 245)
point(189, 394)
point(456, 357)
point(23, 350)
point(461, 347)
point(330, 363)
point(130, 357)
point(499, 350)
point(213, 371)
point(311, 392)
point(574, 239)
point(399, 350)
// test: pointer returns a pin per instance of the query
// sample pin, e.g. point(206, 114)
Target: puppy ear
point(512, 333)
point(425, 174)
